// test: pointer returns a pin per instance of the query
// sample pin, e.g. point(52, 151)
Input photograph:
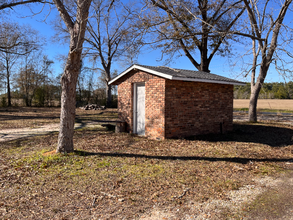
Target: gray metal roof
point(180, 74)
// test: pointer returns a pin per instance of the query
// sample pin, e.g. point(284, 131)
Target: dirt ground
point(283, 118)
point(242, 175)
point(18, 133)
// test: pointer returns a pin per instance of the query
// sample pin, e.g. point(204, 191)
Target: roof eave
point(208, 81)
point(166, 76)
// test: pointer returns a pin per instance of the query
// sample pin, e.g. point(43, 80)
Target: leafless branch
point(13, 4)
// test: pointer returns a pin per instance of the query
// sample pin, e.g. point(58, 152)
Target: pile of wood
point(93, 107)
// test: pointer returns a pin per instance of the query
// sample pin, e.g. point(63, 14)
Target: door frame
point(135, 85)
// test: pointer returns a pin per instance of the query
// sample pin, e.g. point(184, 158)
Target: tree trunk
point(204, 63)
point(109, 95)
point(252, 114)
point(26, 101)
point(77, 30)
point(8, 92)
point(68, 102)
point(267, 51)
point(255, 90)
point(8, 83)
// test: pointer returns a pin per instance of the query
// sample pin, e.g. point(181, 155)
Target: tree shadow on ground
point(22, 117)
point(273, 136)
point(241, 160)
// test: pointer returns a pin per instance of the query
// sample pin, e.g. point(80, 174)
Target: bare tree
point(8, 4)
point(28, 80)
point(111, 36)
point(192, 26)
point(2, 78)
point(265, 27)
point(85, 85)
point(32, 76)
point(16, 42)
point(76, 25)
point(9, 55)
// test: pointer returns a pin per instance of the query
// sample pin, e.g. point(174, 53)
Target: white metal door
point(139, 126)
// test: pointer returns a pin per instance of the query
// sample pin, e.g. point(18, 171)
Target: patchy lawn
point(33, 117)
point(116, 176)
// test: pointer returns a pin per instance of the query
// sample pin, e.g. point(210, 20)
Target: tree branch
point(64, 14)
point(10, 5)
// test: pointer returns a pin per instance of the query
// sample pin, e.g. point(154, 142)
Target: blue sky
point(219, 65)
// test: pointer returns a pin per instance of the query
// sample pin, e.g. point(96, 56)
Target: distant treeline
point(268, 91)
point(50, 96)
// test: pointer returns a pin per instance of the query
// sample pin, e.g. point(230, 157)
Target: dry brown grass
point(123, 176)
point(23, 117)
point(274, 104)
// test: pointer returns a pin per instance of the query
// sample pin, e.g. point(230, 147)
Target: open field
point(273, 104)
point(123, 176)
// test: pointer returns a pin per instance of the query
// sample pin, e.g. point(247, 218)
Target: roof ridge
point(180, 74)
point(176, 70)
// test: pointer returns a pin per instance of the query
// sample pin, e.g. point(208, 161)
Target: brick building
point(162, 102)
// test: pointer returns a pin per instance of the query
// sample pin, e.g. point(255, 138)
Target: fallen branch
point(183, 194)
point(95, 199)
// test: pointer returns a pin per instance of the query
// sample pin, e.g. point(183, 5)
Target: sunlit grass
point(35, 117)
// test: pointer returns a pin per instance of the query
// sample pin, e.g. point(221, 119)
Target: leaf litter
point(123, 176)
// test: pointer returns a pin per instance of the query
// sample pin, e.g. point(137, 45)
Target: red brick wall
point(191, 108)
point(194, 108)
point(154, 102)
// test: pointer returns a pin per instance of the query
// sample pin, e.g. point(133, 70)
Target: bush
point(3, 102)
point(40, 94)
